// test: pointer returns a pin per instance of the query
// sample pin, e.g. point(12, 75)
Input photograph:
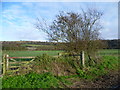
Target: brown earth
point(107, 81)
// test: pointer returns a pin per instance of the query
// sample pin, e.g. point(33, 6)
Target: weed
point(31, 80)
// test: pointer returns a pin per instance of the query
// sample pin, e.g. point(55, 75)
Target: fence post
point(4, 64)
point(83, 59)
point(7, 62)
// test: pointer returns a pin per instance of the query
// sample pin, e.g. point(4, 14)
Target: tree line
point(13, 45)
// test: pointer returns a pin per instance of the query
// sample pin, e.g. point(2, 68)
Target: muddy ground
point(107, 81)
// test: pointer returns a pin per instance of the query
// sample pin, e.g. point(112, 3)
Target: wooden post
point(7, 62)
point(4, 64)
point(83, 59)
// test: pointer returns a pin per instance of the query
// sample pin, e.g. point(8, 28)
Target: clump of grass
point(43, 59)
point(109, 62)
point(58, 66)
point(31, 80)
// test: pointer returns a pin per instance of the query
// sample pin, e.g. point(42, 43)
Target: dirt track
point(107, 81)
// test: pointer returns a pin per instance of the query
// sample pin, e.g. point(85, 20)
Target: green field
point(53, 53)
point(34, 45)
point(30, 53)
point(108, 52)
point(30, 45)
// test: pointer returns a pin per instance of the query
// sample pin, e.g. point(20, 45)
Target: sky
point(18, 18)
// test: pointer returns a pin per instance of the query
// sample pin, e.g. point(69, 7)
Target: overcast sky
point(18, 18)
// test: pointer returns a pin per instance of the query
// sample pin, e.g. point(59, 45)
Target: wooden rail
point(19, 62)
point(20, 57)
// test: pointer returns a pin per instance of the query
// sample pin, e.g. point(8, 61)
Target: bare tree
point(78, 31)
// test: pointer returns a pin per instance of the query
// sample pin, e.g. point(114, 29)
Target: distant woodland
point(38, 45)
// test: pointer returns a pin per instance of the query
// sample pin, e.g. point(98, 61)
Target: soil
point(107, 81)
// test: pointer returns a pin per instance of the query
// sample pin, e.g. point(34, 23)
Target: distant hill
point(38, 45)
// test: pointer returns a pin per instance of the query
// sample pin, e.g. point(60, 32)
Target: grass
point(108, 52)
point(48, 80)
point(30, 53)
point(12, 53)
point(31, 80)
point(34, 80)
point(38, 46)
point(35, 45)
point(53, 53)
point(30, 45)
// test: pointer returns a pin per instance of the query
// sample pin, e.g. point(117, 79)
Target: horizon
point(44, 40)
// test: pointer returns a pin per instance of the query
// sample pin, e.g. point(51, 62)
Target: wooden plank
point(12, 71)
point(14, 66)
point(12, 59)
point(31, 60)
point(20, 57)
point(55, 56)
point(19, 62)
